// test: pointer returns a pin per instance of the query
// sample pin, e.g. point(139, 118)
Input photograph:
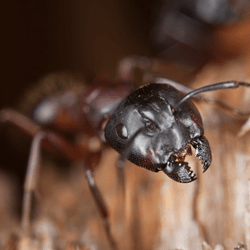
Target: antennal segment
point(212, 87)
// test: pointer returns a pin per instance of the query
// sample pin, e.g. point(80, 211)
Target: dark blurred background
point(89, 37)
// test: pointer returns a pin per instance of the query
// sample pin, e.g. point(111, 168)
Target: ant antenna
point(212, 87)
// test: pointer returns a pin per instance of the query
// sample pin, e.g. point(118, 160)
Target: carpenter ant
point(154, 127)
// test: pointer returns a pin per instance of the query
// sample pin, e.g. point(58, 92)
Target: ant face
point(164, 133)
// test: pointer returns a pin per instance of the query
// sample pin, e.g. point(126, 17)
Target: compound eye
point(150, 126)
point(172, 109)
point(122, 131)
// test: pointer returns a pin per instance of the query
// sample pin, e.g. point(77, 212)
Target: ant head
point(163, 130)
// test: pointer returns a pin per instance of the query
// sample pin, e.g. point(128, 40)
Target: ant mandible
point(154, 127)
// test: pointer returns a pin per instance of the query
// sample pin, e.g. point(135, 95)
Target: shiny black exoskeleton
point(157, 129)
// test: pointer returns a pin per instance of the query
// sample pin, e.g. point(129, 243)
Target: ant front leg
point(57, 145)
point(91, 162)
point(30, 181)
point(42, 138)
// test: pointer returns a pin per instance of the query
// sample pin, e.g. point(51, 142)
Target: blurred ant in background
point(184, 30)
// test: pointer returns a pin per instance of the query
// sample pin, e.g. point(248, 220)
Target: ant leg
point(54, 143)
point(63, 146)
point(21, 122)
point(33, 169)
point(30, 180)
point(100, 203)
